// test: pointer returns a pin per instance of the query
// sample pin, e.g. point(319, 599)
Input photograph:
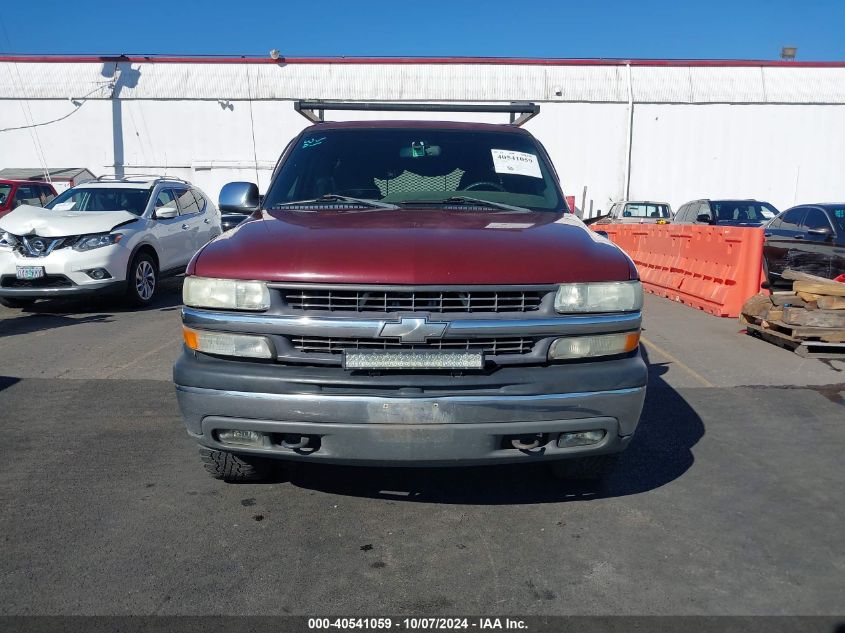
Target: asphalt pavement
point(730, 500)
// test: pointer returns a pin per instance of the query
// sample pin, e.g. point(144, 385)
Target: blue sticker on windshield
point(311, 142)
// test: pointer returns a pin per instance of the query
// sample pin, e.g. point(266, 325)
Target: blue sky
point(711, 29)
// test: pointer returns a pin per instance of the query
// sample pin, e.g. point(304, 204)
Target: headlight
point(226, 344)
point(89, 242)
point(591, 346)
point(611, 296)
point(8, 240)
point(230, 294)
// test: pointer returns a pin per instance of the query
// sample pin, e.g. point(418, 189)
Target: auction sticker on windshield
point(507, 161)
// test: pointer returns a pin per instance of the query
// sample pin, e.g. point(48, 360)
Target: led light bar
point(413, 360)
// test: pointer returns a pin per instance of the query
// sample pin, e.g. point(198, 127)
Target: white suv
point(112, 234)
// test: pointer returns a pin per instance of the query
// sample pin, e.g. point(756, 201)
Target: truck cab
point(410, 293)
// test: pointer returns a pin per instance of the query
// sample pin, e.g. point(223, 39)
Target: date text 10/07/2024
point(417, 624)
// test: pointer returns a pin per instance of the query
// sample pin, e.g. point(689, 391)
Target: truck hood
point(414, 247)
point(29, 220)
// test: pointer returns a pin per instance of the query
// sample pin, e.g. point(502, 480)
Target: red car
point(14, 193)
point(410, 293)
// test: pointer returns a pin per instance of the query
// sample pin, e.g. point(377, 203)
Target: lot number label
point(506, 161)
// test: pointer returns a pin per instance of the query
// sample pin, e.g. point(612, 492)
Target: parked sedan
point(809, 238)
point(725, 212)
point(637, 212)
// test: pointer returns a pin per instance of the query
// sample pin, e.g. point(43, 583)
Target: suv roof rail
point(153, 178)
point(314, 110)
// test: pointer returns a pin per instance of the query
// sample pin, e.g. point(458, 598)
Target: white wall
point(784, 154)
point(781, 152)
point(198, 140)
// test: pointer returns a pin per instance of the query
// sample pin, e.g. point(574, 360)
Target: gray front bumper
point(449, 430)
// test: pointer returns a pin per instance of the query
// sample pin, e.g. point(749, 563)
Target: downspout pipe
point(630, 135)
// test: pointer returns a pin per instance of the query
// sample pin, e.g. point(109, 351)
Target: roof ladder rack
point(519, 111)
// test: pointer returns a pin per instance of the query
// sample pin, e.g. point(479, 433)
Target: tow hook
point(527, 442)
point(295, 441)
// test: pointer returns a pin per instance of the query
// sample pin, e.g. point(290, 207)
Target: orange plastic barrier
point(713, 268)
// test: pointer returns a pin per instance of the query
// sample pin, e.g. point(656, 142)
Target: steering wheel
point(494, 185)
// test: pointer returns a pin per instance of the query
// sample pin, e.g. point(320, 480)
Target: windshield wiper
point(476, 201)
point(333, 197)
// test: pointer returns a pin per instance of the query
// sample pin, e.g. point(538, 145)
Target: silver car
point(637, 212)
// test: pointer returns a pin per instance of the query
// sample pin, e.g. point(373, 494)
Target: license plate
point(413, 360)
point(29, 272)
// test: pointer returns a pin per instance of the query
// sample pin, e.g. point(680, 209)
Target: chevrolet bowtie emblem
point(413, 330)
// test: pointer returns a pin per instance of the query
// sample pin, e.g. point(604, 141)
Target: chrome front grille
point(317, 299)
point(490, 346)
point(35, 246)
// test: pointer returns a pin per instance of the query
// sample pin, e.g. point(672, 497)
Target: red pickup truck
point(410, 293)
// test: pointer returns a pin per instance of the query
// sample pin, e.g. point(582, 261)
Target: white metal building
point(661, 130)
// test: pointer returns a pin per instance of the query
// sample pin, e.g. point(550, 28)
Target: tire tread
point(233, 468)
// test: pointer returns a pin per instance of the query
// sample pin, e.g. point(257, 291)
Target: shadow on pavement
point(56, 313)
point(25, 324)
point(660, 453)
point(8, 381)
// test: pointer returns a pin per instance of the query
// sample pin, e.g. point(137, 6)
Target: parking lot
point(728, 502)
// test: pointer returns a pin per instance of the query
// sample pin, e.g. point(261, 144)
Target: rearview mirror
point(166, 213)
point(241, 197)
point(703, 217)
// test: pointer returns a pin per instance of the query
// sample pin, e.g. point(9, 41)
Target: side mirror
point(166, 213)
point(241, 197)
point(703, 217)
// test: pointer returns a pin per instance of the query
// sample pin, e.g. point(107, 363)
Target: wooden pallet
point(778, 334)
point(797, 332)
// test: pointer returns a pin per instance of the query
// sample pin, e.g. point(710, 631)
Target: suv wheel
point(142, 280)
point(16, 303)
point(593, 467)
point(234, 468)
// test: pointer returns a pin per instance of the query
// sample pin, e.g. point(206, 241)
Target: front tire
point(234, 468)
point(585, 468)
point(141, 280)
point(16, 303)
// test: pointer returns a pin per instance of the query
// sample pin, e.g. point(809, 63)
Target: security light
point(787, 53)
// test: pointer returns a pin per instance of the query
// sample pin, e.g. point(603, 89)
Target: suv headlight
point(7, 240)
point(608, 296)
point(230, 294)
point(90, 242)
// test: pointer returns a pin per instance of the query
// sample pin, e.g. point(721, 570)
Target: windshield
point(645, 210)
point(423, 165)
point(102, 199)
point(743, 211)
